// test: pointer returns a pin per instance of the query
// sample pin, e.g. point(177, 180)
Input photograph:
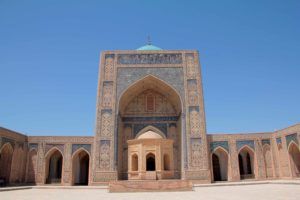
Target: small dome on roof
point(149, 47)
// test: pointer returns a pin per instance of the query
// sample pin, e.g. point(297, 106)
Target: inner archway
point(216, 167)
point(54, 161)
point(6, 154)
point(80, 168)
point(294, 154)
point(149, 103)
point(150, 162)
point(220, 165)
point(246, 163)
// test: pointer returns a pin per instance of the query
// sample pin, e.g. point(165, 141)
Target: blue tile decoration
point(147, 119)
point(106, 110)
point(105, 142)
point(127, 125)
point(192, 108)
point(290, 138)
point(110, 56)
point(215, 144)
point(161, 58)
point(49, 146)
point(87, 147)
point(266, 141)
point(7, 140)
point(278, 140)
point(33, 146)
point(241, 143)
point(161, 126)
point(128, 76)
point(172, 124)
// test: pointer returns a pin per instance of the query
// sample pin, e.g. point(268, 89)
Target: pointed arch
point(220, 164)
point(150, 162)
point(246, 162)
point(150, 129)
point(6, 155)
point(54, 166)
point(150, 82)
point(81, 167)
point(132, 108)
point(294, 157)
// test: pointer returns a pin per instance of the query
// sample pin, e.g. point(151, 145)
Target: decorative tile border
point(58, 146)
point(32, 146)
point(278, 140)
point(154, 58)
point(7, 140)
point(290, 138)
point(160, 126)
point(266, 141)
point(241, 143)
point(216, 144)
point(147, 119)
point(87, 147)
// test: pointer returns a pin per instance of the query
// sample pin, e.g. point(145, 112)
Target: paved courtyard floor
point(240, 192)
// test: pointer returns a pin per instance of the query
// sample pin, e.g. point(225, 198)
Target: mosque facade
point(150, 125)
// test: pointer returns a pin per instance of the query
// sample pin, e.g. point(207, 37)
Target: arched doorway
point(294, 155)
point(220, 165)
point(54, 161)
point(31, 167)
point(148, 102)
point(246, 163)
point(150, 162)
point(216, 167)
point(80, 167)
point(6, 154)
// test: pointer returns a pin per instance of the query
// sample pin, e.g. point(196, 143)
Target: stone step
point(150, 185)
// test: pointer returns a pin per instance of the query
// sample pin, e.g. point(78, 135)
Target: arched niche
point(53, 166)
point(294, 155)
point(6, 154)
point(246, 163)
point(147, 109)
point(220, 164)
point(150, 162)
point(80, 167)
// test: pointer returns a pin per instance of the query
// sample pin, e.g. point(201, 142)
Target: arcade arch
point(294, 155)
point(146, 110)
point(53, 165)
point(220, 164)
point(246, 163)
point(80, 167)
point(6, 154)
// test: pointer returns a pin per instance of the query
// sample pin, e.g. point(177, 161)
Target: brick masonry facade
point(162, 89)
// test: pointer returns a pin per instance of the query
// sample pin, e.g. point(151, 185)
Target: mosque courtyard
point(287, 190)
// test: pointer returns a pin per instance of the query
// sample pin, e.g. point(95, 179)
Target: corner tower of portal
point(150, 87)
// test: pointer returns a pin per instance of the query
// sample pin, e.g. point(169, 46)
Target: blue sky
point(49, 54)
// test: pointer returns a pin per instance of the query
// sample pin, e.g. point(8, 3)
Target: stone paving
point(238, 192)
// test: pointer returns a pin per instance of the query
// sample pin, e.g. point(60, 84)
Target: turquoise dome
point(148, 47)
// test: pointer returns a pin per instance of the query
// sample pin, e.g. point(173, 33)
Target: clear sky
point(49, 54)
